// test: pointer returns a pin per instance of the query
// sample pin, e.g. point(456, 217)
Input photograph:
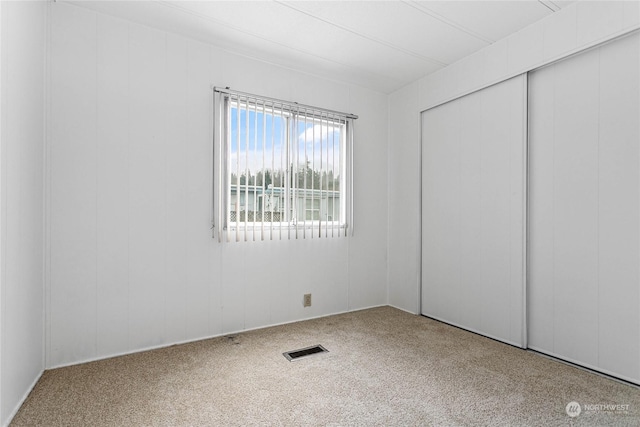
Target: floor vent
point(308, 351)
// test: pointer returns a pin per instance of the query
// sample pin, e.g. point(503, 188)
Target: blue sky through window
point(262, 142)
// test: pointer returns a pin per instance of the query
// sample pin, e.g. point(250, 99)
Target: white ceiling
point(382, 45)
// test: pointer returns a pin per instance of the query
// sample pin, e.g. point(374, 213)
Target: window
point(281, 170)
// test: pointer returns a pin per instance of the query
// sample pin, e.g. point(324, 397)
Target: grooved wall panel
point(147, 181)
point(112, 189)
point(22, 199)
point(176, 190)
point(73, 186)
point(133, 262)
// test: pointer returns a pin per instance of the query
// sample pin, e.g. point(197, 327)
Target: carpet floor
point(384, 367)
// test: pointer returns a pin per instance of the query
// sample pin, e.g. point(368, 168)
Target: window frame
point(294, 223)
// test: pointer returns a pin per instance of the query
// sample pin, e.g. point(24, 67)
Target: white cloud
point(320, 132)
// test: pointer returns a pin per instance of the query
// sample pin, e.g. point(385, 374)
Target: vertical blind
point(282, 170)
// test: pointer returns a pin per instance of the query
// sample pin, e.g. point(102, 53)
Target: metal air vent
point(303, 352)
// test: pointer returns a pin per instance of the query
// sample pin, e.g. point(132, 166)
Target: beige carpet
point(385, 367)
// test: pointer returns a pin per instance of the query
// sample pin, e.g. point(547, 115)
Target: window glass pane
point(318, 171)
point(283, 167)
point(319, 153)
point(257, 159)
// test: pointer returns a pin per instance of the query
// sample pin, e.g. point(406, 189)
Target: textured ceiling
point(382, 45)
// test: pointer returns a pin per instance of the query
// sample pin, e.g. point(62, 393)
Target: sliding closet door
point(473, 211)
point(584, 215)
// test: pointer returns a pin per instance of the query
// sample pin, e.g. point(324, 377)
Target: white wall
point(570, 30)
point(404, 205)
point(21, 201)
point(133, 264)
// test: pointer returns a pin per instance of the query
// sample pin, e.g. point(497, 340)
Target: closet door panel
point(470, 312)
point(619, 214)
point(584, 210)
point(473, 211)
point(441, 212)
point(495, 162)
point(576, 203)
point(540, 299)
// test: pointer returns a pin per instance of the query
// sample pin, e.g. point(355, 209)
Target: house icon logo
point(573, 409)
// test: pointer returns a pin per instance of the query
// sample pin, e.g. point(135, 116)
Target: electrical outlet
point(307, 300)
